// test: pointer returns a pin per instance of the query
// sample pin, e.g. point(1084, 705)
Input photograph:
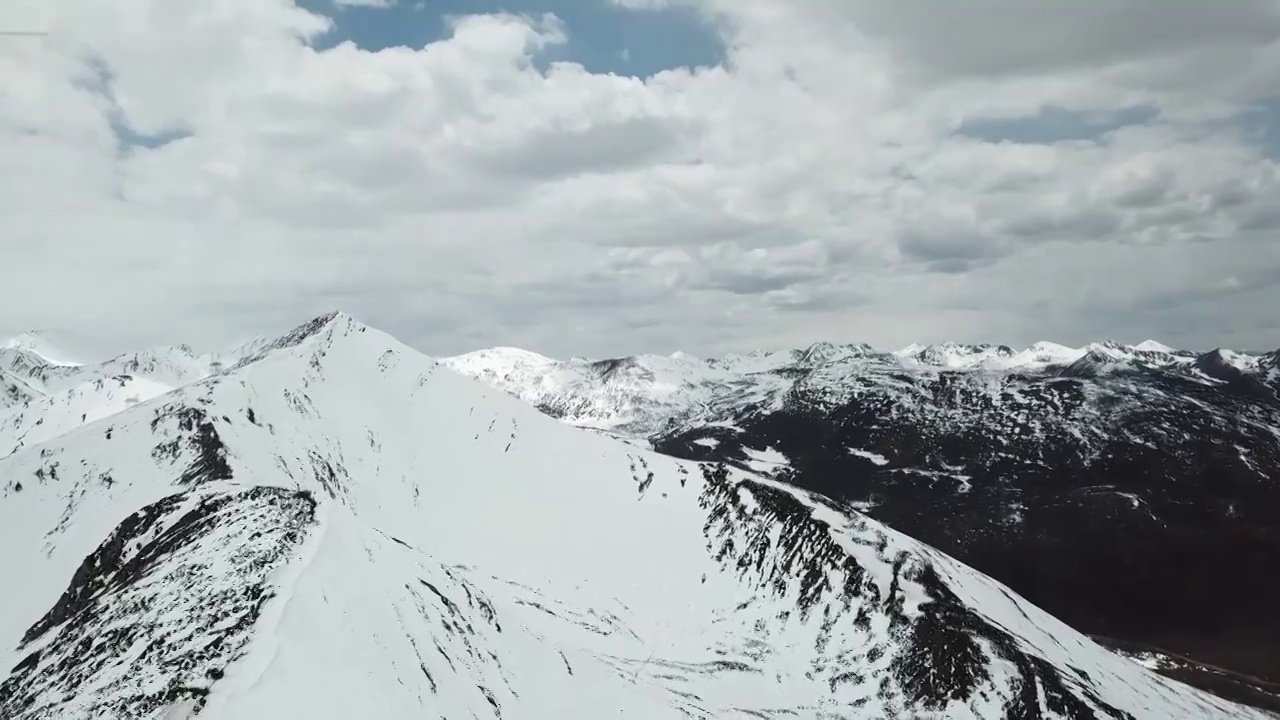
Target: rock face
point(1132, 491)
point(335, 526)
point(153, 616)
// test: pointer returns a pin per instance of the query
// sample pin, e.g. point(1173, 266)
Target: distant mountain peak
point(1097, 360)
point(43, 345)
point(824, 352)
point(957, 356)
point(1048, 346)
point(511, 355)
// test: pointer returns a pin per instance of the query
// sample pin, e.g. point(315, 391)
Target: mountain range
point(329, 524)
point(1130, 490)
point(639, 394)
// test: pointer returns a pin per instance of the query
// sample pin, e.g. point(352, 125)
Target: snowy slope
point(14, 390)
point(44, 417)
point(339, 527)
point(42, 398)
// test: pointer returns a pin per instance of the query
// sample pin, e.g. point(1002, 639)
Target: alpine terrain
point(1133, 491)
point(332, 525)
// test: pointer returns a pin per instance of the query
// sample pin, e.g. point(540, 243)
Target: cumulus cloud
point(185, 170)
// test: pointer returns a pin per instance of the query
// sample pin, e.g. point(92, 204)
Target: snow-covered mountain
point(46, 395)
point(642, 394)
point(49, 347)
point(336, 526)
point(638, 393)
point(1034, 465)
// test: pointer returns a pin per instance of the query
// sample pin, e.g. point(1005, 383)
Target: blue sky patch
point(1053, 124)
point(1262, 125)
point(128, 137)
point(603, 37)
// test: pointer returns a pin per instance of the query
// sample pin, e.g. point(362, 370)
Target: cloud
point(825, 181)
point(1146, 46)
point(1005, 37)
point(25, 17)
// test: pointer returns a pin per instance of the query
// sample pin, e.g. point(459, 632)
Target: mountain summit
point(49, 347)
point(336, 526)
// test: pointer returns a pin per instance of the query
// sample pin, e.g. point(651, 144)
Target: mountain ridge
point(1034, 472)
point(611, 393)
point(337, 458)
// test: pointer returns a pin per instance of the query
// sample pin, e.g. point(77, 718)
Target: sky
point(605, 177)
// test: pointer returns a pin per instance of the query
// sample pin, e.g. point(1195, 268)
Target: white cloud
point(26, 17)
point(812, 187)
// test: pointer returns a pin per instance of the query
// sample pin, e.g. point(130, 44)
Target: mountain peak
point(956, 356)
point(498, 361)
point(335, 323)
point(43, 345)
point(823, 352)
point(1224, 358)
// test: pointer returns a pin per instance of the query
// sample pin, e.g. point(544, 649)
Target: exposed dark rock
point(198, 434)
point(941, 659)
point(204, 559)
point(308, 329)
point(1122, 503)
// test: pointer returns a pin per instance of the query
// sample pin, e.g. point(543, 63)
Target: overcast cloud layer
point(885, 171)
